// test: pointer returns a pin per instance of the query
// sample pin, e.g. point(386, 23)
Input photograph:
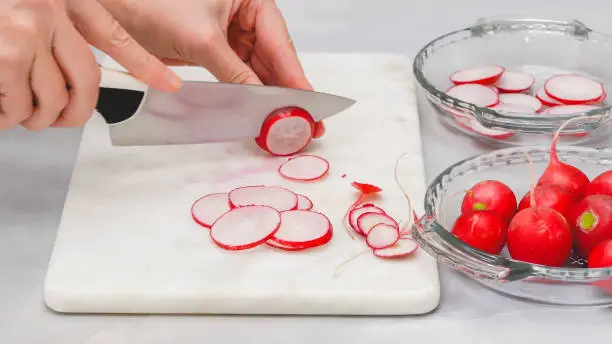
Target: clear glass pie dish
point(572, 284)
point(540, 47)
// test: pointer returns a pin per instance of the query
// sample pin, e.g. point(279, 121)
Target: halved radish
point(521, 99)
point(476, 94)
point(367, 221)
point(245, 227)
point(207, 209)
point(356, 212)
point(573, 89)
point(402, 248)
point(304, 203)
point(484, 75)
point(277, 197)
point(475, 126)
point(545, 99)
point(382, 235)
point(286, 131)
point(303, 229)
point(304, 168)
point(514, 82)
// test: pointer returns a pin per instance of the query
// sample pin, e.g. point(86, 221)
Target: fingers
point(104, 32)
point(225, 65)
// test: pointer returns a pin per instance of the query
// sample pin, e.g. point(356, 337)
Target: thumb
point(221, 60)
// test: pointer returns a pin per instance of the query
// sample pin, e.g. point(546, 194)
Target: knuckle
point(241, 77)
point(119, 37)
point(46, 6)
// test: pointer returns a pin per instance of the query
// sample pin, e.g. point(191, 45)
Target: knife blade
point(200, 112)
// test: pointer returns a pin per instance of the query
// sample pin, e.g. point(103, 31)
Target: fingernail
point(174, 79)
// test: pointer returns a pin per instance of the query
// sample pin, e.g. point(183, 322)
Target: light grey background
point(35, 170)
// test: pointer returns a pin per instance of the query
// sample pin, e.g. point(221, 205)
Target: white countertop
point(35, 169)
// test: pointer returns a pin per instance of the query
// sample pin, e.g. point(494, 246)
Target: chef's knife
point(200, 112)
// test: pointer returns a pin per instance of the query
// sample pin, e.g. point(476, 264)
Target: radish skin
point(367, 221)
point(304, 203)
point(207, 209)
point(601, 255)
point(549, 196)
point(591, 219)
point(600, 185)
point(545, 99)
point(490, 195)
point(245, 227)
point(484, 75)
point(484, 230)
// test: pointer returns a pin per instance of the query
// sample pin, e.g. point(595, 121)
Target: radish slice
point(284, 247)
point(544, 98)
point(476, 94)
point(304, 168)
point(568, 109)
point(286, 131)
point(206, 210)
point(276, 197)
point(304, 229)
point(513, 108)
point(521, 99)
point(355, 213)
point(304, 203)
point(402, 248)
point(483, 75)
point(475, 126)
point(367, 221)
point(514, 82)
point(573, 89)
point(245, 227)
point(382, 236)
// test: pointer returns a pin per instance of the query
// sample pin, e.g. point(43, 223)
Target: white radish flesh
point(512, 82)
point(206, 210)
point(276, 197)
point(402, 248)
point(304, 168)
point(382, 236)
point(573, 89)
point(521, 99)
point(367, 221)
point(355, 213)
point(245, 227)
point(545, 98)
point(479, 75)
point(476, 94)
point(303, 228)
point(304, 203)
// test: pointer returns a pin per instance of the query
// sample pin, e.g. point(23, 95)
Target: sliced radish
point(304, 203)
point(568, 109)
point(513, 108)
point(382, 236)
point(367, 221)
point(245, 227)
point(355, 213)
point(274, 244)
point(475, 126)
point(521, 99)
point(514, 82)
point(276, 197)
point(484, 75)
point(573, 89)
point(545, 99)
point(206, 210)
point(402, 248)
point(286, 131)
point(303, 228)
point(304, 168)
point(476, 94)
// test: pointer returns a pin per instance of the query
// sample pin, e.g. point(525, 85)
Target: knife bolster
point(117, 105)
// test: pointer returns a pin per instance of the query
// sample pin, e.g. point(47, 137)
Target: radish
point(476, 94)
point(367, 221)
point(591, 219)
point(511, 108)
point(562, 174)
point(545, 99)
point(475, 126)
point(490, 195)
point(521, 99)
point(304, 203)
point(402, 248)
point(484, 75)
point(276, 197)
point(601, 255)
point(569, 109)
point(286, 131)
point(355, 213)
point(549, 196)
point(245, 227)
point(303, 229)
point(600, 185)
point(484, 230)
point(573, 89)
point(209, 208)
point(304, 168)
point(382, 236)
point(514, 82)
point(364, 190)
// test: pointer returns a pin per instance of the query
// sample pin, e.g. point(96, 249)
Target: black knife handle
point(120, 95)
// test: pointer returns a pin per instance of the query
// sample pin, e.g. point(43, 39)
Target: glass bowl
point(541, 47)
point(573, 284)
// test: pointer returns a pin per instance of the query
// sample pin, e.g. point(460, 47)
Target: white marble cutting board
point(127, 243)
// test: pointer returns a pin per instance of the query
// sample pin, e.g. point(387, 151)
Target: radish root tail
point(410, 220)
point(338, 270)
point(553, 148)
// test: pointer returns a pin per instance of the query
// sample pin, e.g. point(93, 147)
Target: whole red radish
point(549, 196)
point(591, 219)
point(490, 195)
point(600, 185)
point(484, 230)
point(601, 255)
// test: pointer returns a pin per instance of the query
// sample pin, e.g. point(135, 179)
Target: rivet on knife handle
point(120, 95)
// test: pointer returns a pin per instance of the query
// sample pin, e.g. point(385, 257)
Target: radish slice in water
point(484, 75)
point(521, 99)
point(304, 168)
point(206, 210)
point(382, 236)
point(355, 213)
point(304, 229)
point(514, 82)
point(476, 94)
point(544, 98)
point(509, 108)
point(568, 109)
point(304, 203)
point(573, 89)
point(245, 227)
point(367, 221)
point(402, 248)
point(286, 131)
point(475, 126)
point(276, 197)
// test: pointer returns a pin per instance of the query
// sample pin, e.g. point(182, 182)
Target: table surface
point(35, 171)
